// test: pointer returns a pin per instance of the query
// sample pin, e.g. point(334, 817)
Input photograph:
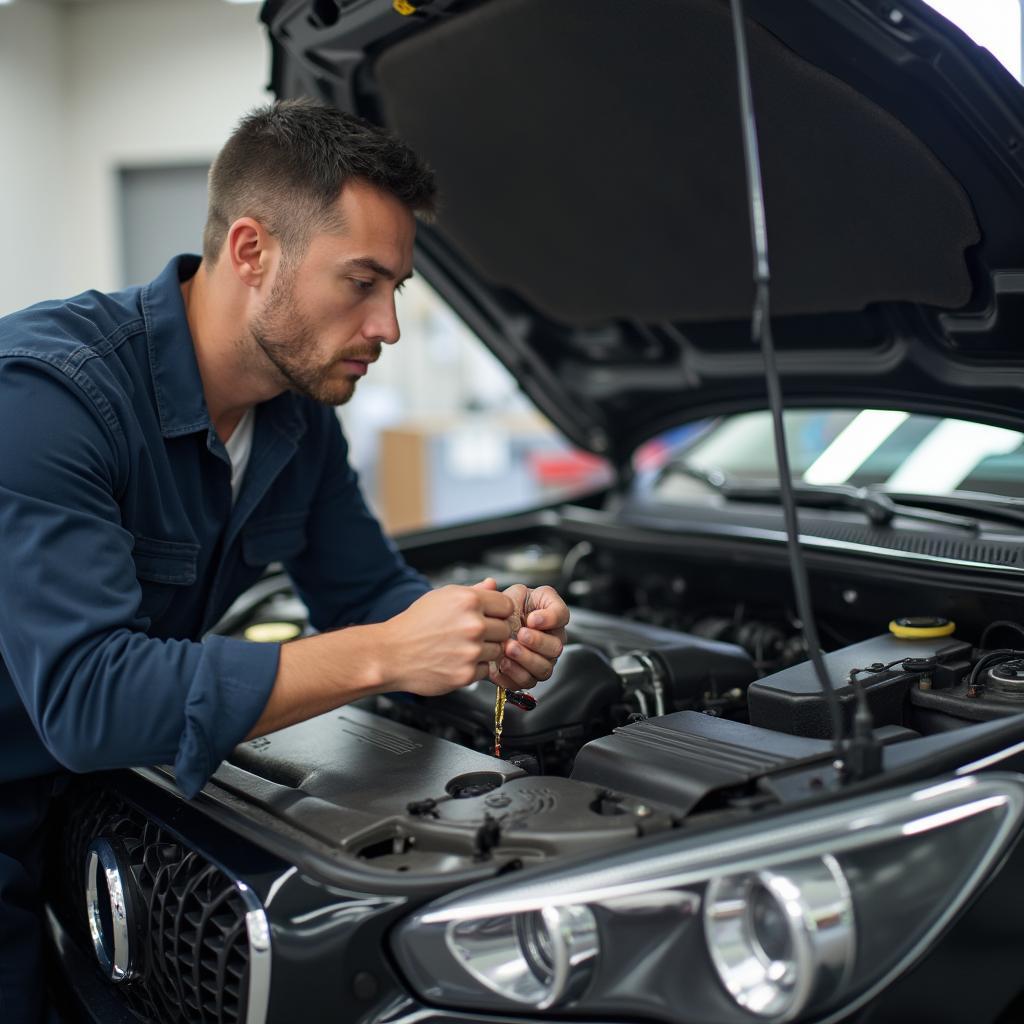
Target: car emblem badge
point(111, 909)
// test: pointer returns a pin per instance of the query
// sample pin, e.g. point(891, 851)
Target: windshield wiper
point(984, 506)
point(879, 507)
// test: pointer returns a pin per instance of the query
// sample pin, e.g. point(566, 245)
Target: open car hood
point(593, 226)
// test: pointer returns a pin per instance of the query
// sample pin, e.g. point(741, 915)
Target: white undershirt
point(239, 446)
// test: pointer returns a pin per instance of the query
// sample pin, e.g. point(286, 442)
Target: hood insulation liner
point(592, 163)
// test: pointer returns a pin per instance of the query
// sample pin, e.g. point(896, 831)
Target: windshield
point(901, 452)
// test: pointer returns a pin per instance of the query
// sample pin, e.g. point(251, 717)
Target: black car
point(677, 833)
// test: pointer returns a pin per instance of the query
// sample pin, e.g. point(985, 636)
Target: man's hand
point(445, 639)
point(440, 643)
point(531, 654)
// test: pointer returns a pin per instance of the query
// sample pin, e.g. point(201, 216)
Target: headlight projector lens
point(782, 939)
point(543, 958)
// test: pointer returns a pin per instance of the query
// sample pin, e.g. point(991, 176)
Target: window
point(899, 451)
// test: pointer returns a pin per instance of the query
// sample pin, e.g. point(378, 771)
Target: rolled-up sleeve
point(99, 691)
point(349, 571)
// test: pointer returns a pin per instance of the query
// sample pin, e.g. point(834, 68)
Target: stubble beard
point(289, 344)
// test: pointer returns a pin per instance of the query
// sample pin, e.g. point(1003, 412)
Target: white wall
point(150, 82)
point(31, 153)
point(89, 87)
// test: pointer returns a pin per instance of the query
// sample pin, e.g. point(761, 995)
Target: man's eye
point(361, 285)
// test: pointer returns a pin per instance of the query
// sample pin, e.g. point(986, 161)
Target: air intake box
point(676, 760)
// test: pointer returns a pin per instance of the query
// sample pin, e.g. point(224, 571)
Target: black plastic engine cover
point(792, 701)
point(615, 635)
point(694, 667)
point(678, 759)
point(581, 689)
point(402, 800)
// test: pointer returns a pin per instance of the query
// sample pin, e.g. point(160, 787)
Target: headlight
point(807, 915)
point(784, 938)
point(542, 958)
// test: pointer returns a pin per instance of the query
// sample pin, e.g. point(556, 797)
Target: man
point(163, 444)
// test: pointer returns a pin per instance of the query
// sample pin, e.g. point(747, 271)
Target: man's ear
point(247, 249)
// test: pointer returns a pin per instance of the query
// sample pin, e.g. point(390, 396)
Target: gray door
point(163, 210)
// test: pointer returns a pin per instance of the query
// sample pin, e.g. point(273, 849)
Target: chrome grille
point(196, 953)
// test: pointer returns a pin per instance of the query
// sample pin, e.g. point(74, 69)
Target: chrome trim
point(257, 929)
point(656, 681)
point(859, 823)
point(277, 885)
point(574, 935)
point(871, 820)
point(257, 925)
point(502, 954)
point(119, 964)
point(815, 908)
point(639, 672)
point(991, 760)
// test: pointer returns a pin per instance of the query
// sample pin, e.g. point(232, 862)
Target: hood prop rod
point(848, 768)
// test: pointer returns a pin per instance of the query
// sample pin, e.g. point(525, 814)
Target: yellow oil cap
point(921, 627)
point(272, 632)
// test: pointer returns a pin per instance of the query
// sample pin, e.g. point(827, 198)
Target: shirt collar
point(172, 358)
point(180, 403)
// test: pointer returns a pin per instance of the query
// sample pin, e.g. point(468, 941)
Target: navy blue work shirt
point(120, 548)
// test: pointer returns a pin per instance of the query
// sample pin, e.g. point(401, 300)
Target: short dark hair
point(286, 163)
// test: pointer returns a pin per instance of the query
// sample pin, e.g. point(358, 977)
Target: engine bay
point(668, 708)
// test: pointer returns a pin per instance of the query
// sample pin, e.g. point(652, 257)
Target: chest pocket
point(274, 539)
point(162, 568)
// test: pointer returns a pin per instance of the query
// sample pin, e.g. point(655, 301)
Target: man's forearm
point(441, 642)
point(321, 673)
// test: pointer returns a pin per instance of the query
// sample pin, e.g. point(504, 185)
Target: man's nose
point(382, 324)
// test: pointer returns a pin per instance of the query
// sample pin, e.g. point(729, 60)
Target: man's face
point(328, 315)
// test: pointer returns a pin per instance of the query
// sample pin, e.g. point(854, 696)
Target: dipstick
point(499, 717)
